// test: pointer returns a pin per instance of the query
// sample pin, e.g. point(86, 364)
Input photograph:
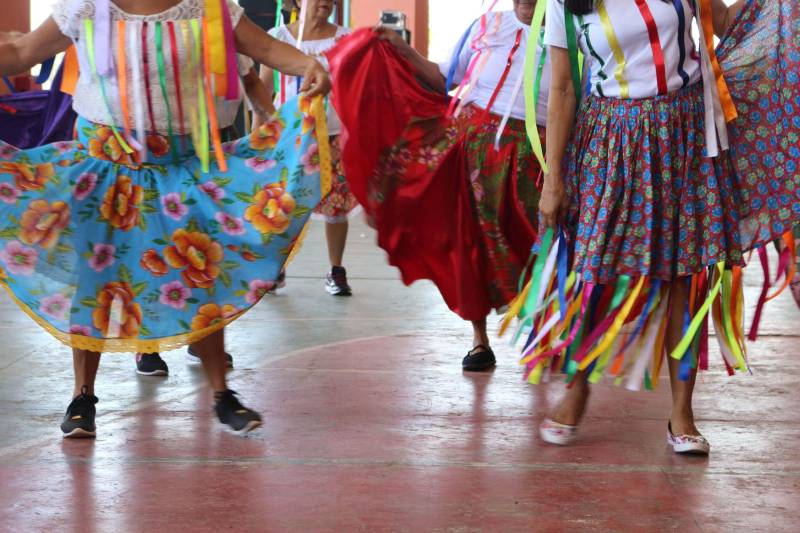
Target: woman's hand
point(392, 37)
point(553, 202)
point(316, 80)
point(18, 53)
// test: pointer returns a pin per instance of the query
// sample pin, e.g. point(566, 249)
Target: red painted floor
point(371, 426)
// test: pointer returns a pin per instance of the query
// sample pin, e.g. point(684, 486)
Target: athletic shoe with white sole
point(336, 282)
point(193, 358)
point(79, 419)
point(151, 364)
point(239, 419)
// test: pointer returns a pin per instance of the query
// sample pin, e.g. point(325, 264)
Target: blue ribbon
point(451, 73)
point(562, 271)
point(45, 71)
point(9, 84)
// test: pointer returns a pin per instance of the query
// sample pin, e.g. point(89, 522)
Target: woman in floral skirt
point(147, 233)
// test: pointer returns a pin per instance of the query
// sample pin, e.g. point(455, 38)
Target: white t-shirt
point(495, 47)
point(88, 101)
point(315, 49)
point(616, 40)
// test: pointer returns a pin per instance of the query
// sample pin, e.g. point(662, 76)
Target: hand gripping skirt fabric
point(112, 255)
point(652, 214)
point(447, 205)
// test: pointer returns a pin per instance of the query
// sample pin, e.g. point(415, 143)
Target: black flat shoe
point(479, 359)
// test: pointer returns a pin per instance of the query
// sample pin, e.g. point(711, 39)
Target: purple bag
point(40, 117)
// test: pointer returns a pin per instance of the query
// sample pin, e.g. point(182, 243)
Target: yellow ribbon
point(619, 55)
point(216, 40)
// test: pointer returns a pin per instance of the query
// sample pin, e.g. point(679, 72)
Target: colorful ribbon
point(231, 65)
point(707, 26)
point(616, 49)
point(45, 71)
point(203, 119)
point(210, 103)
point(89, 32)
point(162, 82)
point(102, 37)
point(531, 84)
point(176, 74)
point(71, 72)
point(139, 121)
point(655, 45)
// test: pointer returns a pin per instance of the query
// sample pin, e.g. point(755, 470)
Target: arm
point(560, 121)
point(260, 96)
point(18, 56)
point(427, 71)
point(724, 15)
point(254, 42)
point(267, 78)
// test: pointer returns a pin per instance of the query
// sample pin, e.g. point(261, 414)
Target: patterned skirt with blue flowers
point(111, 254)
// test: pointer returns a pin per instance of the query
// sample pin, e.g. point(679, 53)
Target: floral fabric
point(644, 199)
point(112, 254)
point(444, 195)
point(761, 59)
point(340, 202)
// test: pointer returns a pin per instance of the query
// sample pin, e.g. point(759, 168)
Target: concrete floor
point(371, 425)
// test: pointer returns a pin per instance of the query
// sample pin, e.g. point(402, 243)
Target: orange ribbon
point(212, 108)
point(122, 75)
point(707, 23)
point(69, 79)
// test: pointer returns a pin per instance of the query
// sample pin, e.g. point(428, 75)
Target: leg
point(336, 280)
point(211, 351)
point(85, 365)
point(336, 235)
point(572, 407)
point(230, 411)
point(479, 335)
point(682, 417)
point(79, 419)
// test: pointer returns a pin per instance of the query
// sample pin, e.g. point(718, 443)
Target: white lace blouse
point(140, 30)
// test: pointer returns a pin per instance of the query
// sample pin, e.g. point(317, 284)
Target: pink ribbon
point(232, 67)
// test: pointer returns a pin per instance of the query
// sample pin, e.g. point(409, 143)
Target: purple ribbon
point(102, 36)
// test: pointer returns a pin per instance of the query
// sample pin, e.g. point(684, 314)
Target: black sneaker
point(336, 282)
point(194, 359)
point(79, 419)
point(232, 413)
point(479, 359)
point(151, 364)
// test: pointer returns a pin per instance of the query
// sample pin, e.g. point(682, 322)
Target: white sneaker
point(559, 434)
point(687, 444)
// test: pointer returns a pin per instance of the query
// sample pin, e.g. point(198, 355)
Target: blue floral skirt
point(111, 254)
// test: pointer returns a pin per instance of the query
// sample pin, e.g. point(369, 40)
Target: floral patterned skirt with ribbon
point(111, 254)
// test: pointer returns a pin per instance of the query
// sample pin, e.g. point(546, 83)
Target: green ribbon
point(539, 69)
point(88, 25)
point(162, 81)
point(575, 60)
point(276, 76)
point(528, 308)
point(201, 100)
point(531, 125)
point(699, 316)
